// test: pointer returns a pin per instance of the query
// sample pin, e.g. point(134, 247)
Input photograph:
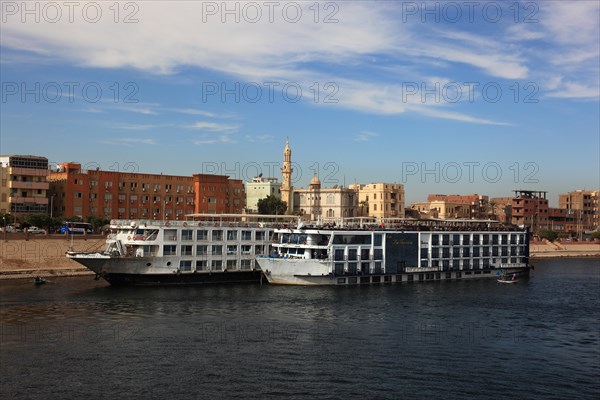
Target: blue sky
point(444, 97)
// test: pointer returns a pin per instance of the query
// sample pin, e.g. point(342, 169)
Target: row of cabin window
point(470, 264)
point(444, 252)
point(188, 234)
point(202, 250)
point(202, 265)
point(485, 239)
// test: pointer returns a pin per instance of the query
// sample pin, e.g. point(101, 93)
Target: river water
point(81, 338)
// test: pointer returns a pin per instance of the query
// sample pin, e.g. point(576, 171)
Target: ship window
point(377, 268)
point(475, 264)
point(378, 254)
point(378, 239)
point(466, 252)
point(201, 234)
point(494, 251)
point(217, 235)
point(246, 249)
point(339, 255)
point(352, 239)
point(260, 235)
point(352, 254)
point(201, 265)
point(365, 268)
point(216, 265)
point(339, 269)
point(435, 240)
point(217, 250)
point(410, 278)
point(232, 235)
point(504, 251)
point(465, 239)
point(364, 254)
point(456, 252)
point(455, 264)
point(187, 234)
point(232, 249)
point(201, 250)
point(246, 264)
point(475, 239)
point(185, 265)
point(169, 250)
point(352, 267)
point(475, 251)
point(486, 251)
point(186, 250)
point(231, 264)
point(246, 235)
point(445, 240)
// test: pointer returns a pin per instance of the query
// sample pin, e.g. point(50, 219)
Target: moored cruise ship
point(206, 248)
point(400, 251)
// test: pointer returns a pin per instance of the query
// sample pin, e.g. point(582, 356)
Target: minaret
point(286, 178)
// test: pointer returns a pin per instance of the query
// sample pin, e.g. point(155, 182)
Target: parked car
point(11, 228)
point(34, 230)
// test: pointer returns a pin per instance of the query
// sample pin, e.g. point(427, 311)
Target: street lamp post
point(4, 227)
point(52, 204)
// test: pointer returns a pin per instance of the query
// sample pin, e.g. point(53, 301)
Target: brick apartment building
point(115, 195)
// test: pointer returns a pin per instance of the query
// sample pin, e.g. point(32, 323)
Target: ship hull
point(314, 273)
point(154, 271)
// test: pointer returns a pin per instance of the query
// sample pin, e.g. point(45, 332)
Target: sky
point(442, 96)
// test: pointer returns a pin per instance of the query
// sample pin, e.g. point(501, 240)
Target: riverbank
point(558, 250)
point(45, 255)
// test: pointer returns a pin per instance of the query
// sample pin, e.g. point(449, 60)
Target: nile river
point(77, 338)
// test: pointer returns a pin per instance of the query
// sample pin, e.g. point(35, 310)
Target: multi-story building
point(259, 189)
point(380, 200)
point(23, 184)
point(330, 203)
point(530, 208)
point(442, 209)
point(454, 206)
point(583, 207)
point(117, 195)
point(501, 208)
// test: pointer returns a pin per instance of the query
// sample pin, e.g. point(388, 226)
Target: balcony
point(28, 185)
point(28, 171)
point(28, 200)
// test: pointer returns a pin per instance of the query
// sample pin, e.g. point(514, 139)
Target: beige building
point(443, 209)
point(583, 207)
point(24, 188)
point(380, 200)
point(325, 204)
point(259, 189)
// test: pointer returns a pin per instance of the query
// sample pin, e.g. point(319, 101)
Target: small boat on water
point(508, 279)
point(39, 280)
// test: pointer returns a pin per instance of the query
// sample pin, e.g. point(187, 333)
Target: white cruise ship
point(399, 251)
point(206, 248)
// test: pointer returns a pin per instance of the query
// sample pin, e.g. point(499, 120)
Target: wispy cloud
point(365, 136)
point(261, 138)
point(135, 127)
point(208, 140)
point(130, 142)
point(215, 126)
point(191, 111)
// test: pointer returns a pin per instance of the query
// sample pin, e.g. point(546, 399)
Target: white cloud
point(135, 127)
point(215, 126)
point(130, 142)
point(365, 136)
point(206, 139)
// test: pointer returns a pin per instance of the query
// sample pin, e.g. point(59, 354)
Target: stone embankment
point(553, 250)
point(22, 257)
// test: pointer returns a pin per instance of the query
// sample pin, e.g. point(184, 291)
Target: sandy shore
point(45, 255)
